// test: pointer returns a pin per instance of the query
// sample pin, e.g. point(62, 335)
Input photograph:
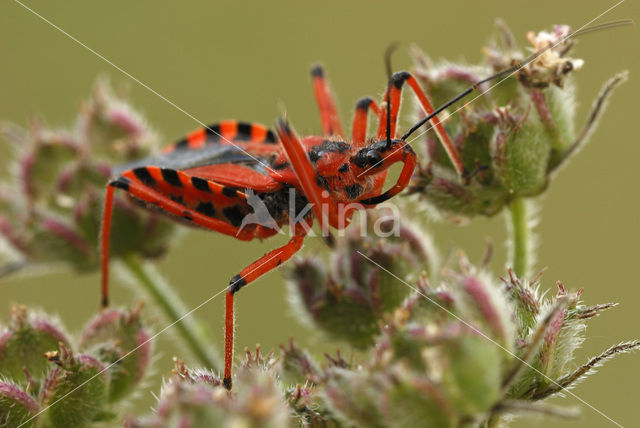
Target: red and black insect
point(207, 178)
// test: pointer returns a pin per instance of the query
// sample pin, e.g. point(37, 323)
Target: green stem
point(520, 237)
point(173, 309)
point(493, 421)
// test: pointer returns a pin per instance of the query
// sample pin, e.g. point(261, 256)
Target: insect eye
point(373, 157)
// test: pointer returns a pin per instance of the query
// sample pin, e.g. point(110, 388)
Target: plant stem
point(493, 421)
point(520, 237)
point(173, 309)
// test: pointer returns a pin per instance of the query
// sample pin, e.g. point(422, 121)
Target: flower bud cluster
point(460, 350)
point(347, 297)
point(45, 383)
point(515, 135)
point(51, 207)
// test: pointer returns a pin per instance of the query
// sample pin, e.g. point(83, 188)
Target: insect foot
point(197, 398)
point(518, 132)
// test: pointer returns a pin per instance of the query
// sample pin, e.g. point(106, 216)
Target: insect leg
point(264, 264)
point(105, 235)
point(310, 181)
point(359, 128)
point(166, 205)
point(328, 113)
point(398, 80)
point(402, 153)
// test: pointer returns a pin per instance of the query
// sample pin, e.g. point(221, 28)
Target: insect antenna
point(514, 68)
point(605, 26)
point(387, 65)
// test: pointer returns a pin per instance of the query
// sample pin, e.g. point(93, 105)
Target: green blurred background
point(251, 61)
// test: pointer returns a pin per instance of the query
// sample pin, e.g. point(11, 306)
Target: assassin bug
point(204, 178)
point(207, 178)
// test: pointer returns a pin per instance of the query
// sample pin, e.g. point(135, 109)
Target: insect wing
point(227, 142)
point(183, 159)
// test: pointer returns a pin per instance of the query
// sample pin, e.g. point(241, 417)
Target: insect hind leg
point(326, 104)
point(263, 265)
point(105, 235)
point(157, 200)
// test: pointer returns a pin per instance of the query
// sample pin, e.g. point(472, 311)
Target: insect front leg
point(326, 104)
point(401, 153)
point(308, 178)
point(264, 264)
point(394, 95)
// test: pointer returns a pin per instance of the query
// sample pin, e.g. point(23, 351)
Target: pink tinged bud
point(43, 155)
point(540, 104)
point(85, 378)
point(459, 73)
point(182, 373)
point(257, 399)
point(113, 334)
point(25, 168)
point(487, 304)
point(21, 347)
point(296, 365)
point(65, 178)
point(547, 353)
point(16, 406)
point(66, 233)
point(357, 397)
point(418, 401)
point(8, 231)
point(126, 120)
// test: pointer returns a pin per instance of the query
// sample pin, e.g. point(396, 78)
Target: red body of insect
point(207, 178)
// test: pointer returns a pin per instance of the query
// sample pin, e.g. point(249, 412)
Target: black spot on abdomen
point(234, 215)
point(206, 208)
point(229, 192)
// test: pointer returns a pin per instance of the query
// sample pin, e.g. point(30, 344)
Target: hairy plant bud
point(519, 155)
point(79, 387)
point(22, 345)
point(416, 400)
point(348, 301)
point(356, 397)
point(297, 366)
point(52, 207)
point(514, 136)
point(197, 399)
point(471, 371)
point(17, 407)
point(562, 337)
point(112, 128)
point(119, 338)
point(483, 304)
